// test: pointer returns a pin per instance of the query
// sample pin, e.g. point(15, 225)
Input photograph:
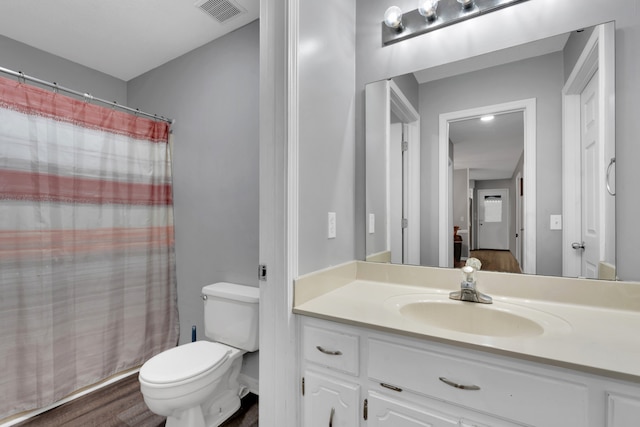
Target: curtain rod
point(86, 96)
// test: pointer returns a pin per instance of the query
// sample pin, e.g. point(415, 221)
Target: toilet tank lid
point(232, 291)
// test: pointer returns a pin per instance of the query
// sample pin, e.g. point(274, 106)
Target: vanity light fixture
point(433, 14)
point(487, 118)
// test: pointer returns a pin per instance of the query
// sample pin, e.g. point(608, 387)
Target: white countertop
point(597, 338)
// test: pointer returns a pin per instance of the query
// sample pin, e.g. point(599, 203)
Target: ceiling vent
point(220, 10)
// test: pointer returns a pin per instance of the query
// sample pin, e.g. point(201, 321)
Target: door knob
point(576, 245)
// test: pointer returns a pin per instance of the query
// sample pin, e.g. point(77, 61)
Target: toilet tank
point(231, 314)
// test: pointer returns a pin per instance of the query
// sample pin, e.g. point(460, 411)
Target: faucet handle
point(474, 262)
point(467, 275)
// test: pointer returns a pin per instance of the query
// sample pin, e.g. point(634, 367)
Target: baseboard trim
point(250, 383)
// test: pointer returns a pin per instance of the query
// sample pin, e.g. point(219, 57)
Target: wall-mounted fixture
point(433, 14)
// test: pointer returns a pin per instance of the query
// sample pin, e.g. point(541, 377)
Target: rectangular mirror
point(507, 157)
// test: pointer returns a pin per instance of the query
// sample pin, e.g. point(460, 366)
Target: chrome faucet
point(468, 291)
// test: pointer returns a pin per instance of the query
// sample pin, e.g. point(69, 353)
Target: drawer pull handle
point(391, 387)
point(460, 386)
point(333, 411)
point(329, 352)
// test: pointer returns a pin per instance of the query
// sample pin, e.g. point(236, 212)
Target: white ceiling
point(490, 150)
point(122, 38)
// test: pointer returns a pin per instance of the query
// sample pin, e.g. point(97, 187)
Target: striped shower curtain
point(87, 266)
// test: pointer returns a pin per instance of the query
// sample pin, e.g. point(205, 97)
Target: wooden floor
point(497, 260)
point(121, 405)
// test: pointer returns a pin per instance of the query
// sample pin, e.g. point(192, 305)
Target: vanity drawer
point(333, 349)
point(515, 394)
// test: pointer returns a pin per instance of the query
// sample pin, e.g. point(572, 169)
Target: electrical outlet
point(372, 223)
point(331, 225)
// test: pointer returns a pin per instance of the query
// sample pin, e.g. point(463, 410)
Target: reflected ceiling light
point(393, 18)
point(433, 14)
point(487, 118)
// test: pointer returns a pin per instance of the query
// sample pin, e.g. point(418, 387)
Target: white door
point(493, 219)
point(330, 402)
point(591, 179)
point(396, 172)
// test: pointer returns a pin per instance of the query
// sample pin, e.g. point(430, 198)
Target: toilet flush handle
point(204, 297)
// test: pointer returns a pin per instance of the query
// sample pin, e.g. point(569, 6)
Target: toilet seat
point(184, 362)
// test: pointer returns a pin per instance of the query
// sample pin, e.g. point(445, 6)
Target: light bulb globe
point(428, 8)
point(393, 17)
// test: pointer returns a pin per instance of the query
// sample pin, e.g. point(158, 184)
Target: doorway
point(493, 219)
point(526, 107)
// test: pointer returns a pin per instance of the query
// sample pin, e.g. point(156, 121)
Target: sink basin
point(499, 319)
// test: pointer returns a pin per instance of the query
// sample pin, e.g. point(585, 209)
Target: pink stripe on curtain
point(19, 185)
point(33, 100)
point(87, 264)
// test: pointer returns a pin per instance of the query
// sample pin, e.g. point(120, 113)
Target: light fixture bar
point(449, 12)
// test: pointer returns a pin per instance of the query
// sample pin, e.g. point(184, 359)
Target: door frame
point(518, 219)
point(597, 55)
point(409, 116)
point(445, 228)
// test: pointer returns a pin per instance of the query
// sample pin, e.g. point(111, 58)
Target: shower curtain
point(87, 266)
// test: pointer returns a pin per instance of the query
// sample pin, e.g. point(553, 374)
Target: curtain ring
point(21, 78)
point(55, 87)
point(611, 163)
point(88, 97)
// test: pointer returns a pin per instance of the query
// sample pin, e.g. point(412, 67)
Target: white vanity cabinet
point(376, 379)
point(331, 389)
point(623, 408)
point(330, 401)
point(383, 411)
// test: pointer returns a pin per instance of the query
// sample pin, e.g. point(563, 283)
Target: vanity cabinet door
point(385, 412)
point(330, 402)
point(623, 410)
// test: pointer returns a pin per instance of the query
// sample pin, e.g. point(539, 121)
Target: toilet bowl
point(196, 384)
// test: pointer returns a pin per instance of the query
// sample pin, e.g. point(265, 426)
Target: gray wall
point(212, 93)
point(409, 87)
point(536, 19)
point(326, 132)
point(460, 196)
point(541, 78)
point(573, 49)
point(18, 56)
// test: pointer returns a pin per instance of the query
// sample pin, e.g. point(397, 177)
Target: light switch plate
point(555, 222)
point(372, 223)
point(331, 225)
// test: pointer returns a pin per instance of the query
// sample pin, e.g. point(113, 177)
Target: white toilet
point(196, 384)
